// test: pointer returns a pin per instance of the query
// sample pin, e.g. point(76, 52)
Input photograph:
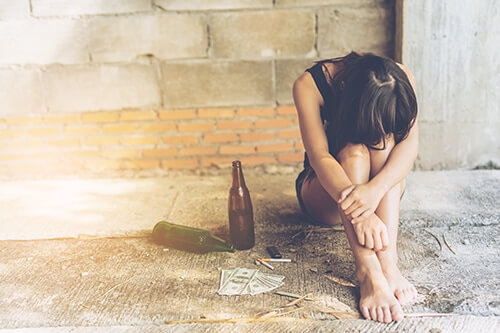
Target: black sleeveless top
point(331, 95)
point(328, 95)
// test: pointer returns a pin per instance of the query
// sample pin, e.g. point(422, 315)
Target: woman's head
point(376, 100)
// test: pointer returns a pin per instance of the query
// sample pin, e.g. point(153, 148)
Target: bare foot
point(377, 299)
point(404, 291)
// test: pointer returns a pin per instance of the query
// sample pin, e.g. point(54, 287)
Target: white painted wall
point(452, 47)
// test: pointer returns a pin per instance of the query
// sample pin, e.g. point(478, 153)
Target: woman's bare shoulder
point(409, 74)
point(304, 87)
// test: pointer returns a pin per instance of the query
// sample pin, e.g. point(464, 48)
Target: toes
point(380, 314)
point(365, 312)
point(396, 312)
point(400, 295)
point(373, 313)
point(387, 314)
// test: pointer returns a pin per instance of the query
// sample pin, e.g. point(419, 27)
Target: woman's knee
point(354, 151)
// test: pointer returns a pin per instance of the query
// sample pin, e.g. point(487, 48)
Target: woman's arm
point(308, 100)
point(358, 202)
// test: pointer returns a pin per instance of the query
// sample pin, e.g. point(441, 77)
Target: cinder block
point(365, 29)
point(43, 42)
point(287, 71)
point(212, 4)
point(217, 83)
point(171, 36)
point(89, 88)
point(21, 92)
point(88, 7)
point(14, 9)
point(278, 33)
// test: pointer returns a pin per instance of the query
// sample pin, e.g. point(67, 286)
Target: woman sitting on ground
point(357, 118)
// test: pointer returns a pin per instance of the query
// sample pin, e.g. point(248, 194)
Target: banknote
point(244, 281)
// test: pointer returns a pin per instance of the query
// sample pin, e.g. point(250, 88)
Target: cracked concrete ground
point(75, 255)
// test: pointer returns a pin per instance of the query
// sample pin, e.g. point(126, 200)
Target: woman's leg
point(388, 212)
point(377, 299)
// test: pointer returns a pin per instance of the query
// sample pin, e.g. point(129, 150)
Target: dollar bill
point(244, 281)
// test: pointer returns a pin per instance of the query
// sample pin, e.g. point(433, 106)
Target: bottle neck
point(238, 179)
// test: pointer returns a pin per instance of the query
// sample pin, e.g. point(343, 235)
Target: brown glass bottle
point(188, 238)
point(240, 210)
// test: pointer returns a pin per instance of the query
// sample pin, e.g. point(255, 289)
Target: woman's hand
point(372, 233)
point(358, 202)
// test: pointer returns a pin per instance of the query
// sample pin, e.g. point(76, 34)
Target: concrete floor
point(75, 255)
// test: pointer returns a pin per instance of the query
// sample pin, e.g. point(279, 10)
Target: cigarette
point(265, 264)
point(275, 260)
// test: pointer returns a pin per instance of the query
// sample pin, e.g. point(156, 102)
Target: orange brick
point(119, 129)
point(219, 162)
point(216, 113)
point(290, 134)
point(180, 164)
point(275, 147)
point(23, 120)
point(159, 152)
point(69, 118)
point(237, 150)
point(102, 164)
point(180, 139)
point(140, 140)
point(141, 164)
point(43, 131)
point(121, 153)
point(177, 114)
point(255, 160)
point(256, 112)
point(156, 128)
point(82, 154)
point(196, 127)
point(11, 133)
point(234, 124)
point(299, 145)
point(102, 141)
point(9, 157)
point(26, 144)
point(286, 109)
point(257, 136)
point(65, 142)
point(296, 121)
point(100, 117)
point(138, 115)
point(221, 137)
point(199, 150)
point(79, 130)
point(273, 123)
point(291, 158)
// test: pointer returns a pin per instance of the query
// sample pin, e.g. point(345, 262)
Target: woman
point(357, 117)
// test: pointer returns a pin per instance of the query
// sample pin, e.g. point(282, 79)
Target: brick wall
point(109, 85)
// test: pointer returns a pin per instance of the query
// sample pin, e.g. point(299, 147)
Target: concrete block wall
point(112, 85)
point(452, 49)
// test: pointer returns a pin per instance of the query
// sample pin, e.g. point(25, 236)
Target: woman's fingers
point(345, 193)
point(385, 239)
point(358, 212)
point(377, 242)
point(369, 241)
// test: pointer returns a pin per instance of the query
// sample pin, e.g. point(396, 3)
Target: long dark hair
point(374, 98)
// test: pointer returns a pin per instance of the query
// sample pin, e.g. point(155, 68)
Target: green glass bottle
point(188, 238)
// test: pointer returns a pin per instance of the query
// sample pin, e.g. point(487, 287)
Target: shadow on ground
point(122, 281)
